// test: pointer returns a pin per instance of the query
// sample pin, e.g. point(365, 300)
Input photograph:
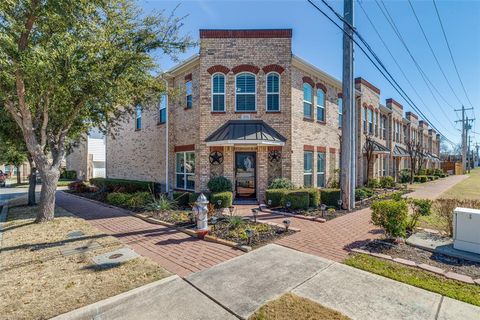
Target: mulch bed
point(263, 233)
point(179, 218)
point(408, 252)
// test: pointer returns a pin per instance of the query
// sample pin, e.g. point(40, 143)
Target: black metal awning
point(400, 152)
point(246, 132)
point(378, 148)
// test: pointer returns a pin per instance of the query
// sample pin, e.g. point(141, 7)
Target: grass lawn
point(292, 307)
point(38, 282)
point(432, 221)
point(469, 293)
point(467, 189)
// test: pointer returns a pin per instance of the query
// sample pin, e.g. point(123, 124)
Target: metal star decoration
point(216, 157)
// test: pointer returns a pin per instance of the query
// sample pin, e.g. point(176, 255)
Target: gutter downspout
point(167, 189)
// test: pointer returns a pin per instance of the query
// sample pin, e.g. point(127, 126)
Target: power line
point(425, 78)
point(432, 51)
point(397, 63)
point(390, 78)
point(450, 51)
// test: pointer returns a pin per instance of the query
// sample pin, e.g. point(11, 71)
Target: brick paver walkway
point(175, 251)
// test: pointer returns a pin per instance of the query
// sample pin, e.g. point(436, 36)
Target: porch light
point(323, 207)
point(249, 233)
point(286, 223)
point(213, 221)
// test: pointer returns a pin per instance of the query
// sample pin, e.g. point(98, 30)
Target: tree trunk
point(19, 177)
point(46, 210)
point(32, 182)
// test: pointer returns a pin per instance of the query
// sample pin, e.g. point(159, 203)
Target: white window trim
point(218, 94)
point(255, 93)
point(185, 174)
point(309, 102)
point(324, 105)
point(267, 93)
point(308, 173)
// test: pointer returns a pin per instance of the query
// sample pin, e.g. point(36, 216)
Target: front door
point(245, 164)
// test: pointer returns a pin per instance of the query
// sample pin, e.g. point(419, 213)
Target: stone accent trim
point(275, 148)
point(258, 33)
point(308, 148)
point(218, 68)
point(273, 67)
point(392, 101)
point(309, 81)
point(360, 80)
point(188, 77)
point(187, 147)
point(245, 67)
point(216, 148)
point(321, 149)
point(340, 95)
point(333, 150)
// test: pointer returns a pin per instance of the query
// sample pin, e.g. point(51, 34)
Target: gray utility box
point(466, 229)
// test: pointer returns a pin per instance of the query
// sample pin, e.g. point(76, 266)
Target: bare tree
point(414, 149)
point(368, 149)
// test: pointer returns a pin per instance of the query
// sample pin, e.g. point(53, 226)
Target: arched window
point(307, 100)
point(245, 92)
point(320, 105)
point(273, 91)
point(340, 111)
point(370, 121)
point(138, 117)
point(365, 110)
point(218, 92)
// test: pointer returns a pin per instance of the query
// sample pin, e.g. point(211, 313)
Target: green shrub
point(226, 197)
point(422, 172)
point(396, 196)
point(161, 204)
point(330, 197)
point(219, 184)
point(420, 208)
point(387, 182)
point(404, 176)
point(296, 199)
point(78, 186)
point(421, 179)
point(181, 198)
point(117, 198)
point(139, 199)
point(68, 175)
point(363, 193)
point(129, 186)
point(275, 196)
point(373, 183)
point(313, 196)
point(235, 222)
point(391, 216)
point(281, 183)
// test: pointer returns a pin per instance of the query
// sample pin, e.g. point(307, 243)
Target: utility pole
point(348, 146)
point(465, 128)
point(476, 156)
point(469, 157)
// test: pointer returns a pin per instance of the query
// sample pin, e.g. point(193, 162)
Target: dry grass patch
point(292, 307)
point(38, 282)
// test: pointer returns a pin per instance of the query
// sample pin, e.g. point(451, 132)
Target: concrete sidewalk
point(434, 189)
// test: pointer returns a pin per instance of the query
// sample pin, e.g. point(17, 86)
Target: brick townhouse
point(250, 110)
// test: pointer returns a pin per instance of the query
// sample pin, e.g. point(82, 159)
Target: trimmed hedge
point(182, 198)
point(226, 197)
point(275, 195)
point(129, 186)
point(363, 193)
point(130, 200)
point(68, 175)
point(314, 196)
point(219, 184)
point(421, 179)
point(387, 182)
point(298, 200)
point(281, 183)
point(330, 197)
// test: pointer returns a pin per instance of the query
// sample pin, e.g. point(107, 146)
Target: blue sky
point(318, 41)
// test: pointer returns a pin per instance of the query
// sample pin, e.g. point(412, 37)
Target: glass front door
point(245, 164)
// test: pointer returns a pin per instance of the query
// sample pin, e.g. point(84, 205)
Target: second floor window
point(218, 92)
point(188, 93)
point(365, 111)
point(320, 105)
point(273, 92)
point(307, 100)
point(370, 121)
point(340, 111)
point(245, 90)
point(162, 109)
point(138, 117)
point(384, 129)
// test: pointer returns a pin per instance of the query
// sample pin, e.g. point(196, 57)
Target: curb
point(423, 266)
point(95, 310)
point(3, 218)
